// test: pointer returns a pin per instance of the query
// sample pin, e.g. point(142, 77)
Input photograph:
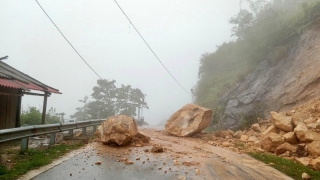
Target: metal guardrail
point(24, 133)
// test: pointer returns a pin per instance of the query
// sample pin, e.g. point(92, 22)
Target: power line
point(69, 42)
point(151, 48)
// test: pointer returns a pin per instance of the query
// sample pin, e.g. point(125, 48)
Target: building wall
point(9, 108)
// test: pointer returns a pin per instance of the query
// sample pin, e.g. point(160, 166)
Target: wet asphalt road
point(82, 166)
point(213, 163)
point(149, 167)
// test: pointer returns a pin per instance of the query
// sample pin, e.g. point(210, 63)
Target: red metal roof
point(9, 83)
point(12, 78)
point(20, 85)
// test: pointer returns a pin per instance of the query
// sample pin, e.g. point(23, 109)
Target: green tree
point(52, 116)
point(129, 99)
point(109, 100)
point(82, 112)
point(33, 116)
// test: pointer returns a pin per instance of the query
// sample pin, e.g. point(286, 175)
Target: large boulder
point(271, 142)
point(284, 148)
point(282, 122)
point(291, 138)
point(271, 129)
point(117, 129)
point(189, 120)
point(306, 135)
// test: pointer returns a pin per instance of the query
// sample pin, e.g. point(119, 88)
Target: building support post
point(44, 110)
point(18, 113)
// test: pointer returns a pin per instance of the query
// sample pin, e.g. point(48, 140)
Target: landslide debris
point(293, 135)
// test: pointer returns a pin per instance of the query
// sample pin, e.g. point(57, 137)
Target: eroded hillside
point(279, 86)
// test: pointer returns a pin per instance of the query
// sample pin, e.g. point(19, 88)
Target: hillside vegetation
point(264, 31)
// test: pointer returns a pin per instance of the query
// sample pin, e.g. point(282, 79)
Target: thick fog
point(178, 32)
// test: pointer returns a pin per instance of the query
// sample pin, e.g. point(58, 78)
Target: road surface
point(183, 158)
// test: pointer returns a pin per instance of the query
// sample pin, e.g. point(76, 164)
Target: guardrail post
point(24, 144)
point(52, 138)
point(84, 131)
point(94, 128)
point(71, 132)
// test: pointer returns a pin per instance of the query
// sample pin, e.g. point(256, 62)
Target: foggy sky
point(178, 31)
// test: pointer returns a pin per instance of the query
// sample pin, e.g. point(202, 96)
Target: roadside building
point(13, 85)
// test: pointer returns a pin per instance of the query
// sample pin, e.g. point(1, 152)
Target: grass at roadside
point(35, 158)
point(286, 166)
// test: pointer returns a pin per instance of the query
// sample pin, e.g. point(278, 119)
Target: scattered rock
point(252, 139)
point(98, 163)
point(314, 148)
point(128, 162)
point(176, 163)
point(238, 134)
point(309, 121)
point(157, 148)
point(316, 163)
point(123, 159)
point(189, 120)
point(271, 129)
point(299, 117)
point(305, 176)
point(305, 161)
point(256, 128)
point(140, 139)
point(197, 171)
point(190, 163)
point(291, 138)
point(181, 178)
point(223, 134)
point(284, 148)
point(244, 138)
point(225, 144)
point(305, 135)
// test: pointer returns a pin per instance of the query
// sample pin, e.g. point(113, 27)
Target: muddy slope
point(282, 85)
